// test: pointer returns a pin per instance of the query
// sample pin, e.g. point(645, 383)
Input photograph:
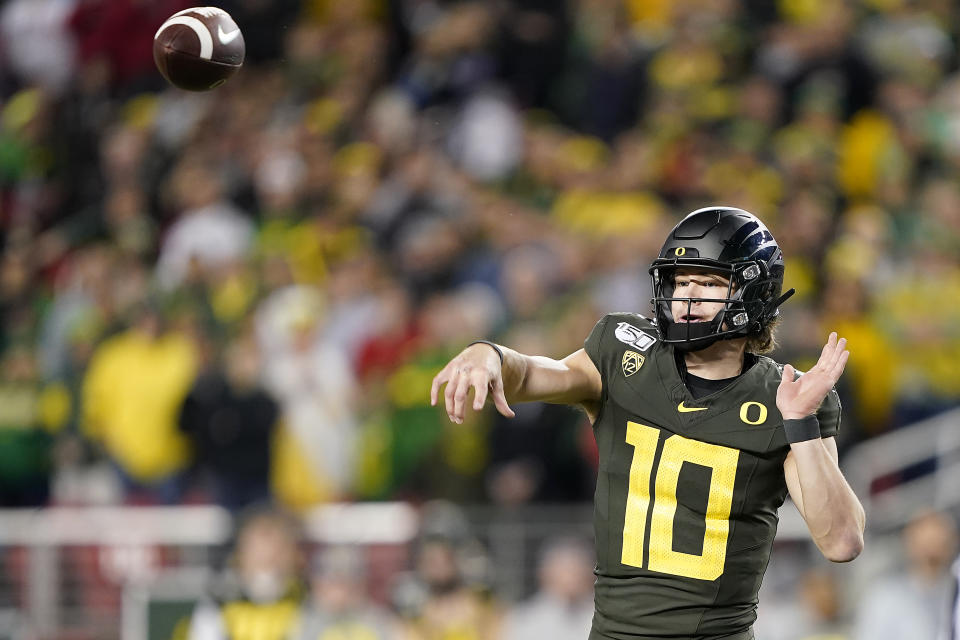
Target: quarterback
point(700, 436)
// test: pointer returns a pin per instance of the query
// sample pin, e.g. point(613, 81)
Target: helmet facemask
point(745, 308)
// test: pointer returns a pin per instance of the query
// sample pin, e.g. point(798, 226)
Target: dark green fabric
point(635, 602)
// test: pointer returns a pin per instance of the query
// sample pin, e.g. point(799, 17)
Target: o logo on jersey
point(680, 251)
point(745, 413)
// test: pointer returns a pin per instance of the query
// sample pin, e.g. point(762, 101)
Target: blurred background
point(221, 312)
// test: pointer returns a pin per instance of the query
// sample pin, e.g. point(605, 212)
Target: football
point(198, 49)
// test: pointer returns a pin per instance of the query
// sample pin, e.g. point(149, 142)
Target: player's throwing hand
point(801, 397)
point(478, 366)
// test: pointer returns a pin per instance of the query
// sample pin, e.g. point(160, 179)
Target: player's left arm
point(831, 510)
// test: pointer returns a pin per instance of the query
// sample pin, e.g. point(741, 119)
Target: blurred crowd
point(275, 587)
point(286, 590)
point(244, 294)
point(911, 594)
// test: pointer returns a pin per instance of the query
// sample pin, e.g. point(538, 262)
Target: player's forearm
point(514, 372)
point(828, 504)
point(541, 379)
point(530, 378)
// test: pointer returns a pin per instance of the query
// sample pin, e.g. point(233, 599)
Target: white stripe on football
point(206, 39)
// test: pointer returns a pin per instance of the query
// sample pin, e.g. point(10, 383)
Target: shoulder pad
point(634, 330)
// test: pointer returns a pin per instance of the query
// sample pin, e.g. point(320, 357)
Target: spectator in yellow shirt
point(132, 393)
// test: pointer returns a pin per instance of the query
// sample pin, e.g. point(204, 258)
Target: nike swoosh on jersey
point(684, 409)
point(227, 38)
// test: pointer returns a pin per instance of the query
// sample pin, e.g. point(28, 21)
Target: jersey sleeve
point(593, 345)
point(828, 415)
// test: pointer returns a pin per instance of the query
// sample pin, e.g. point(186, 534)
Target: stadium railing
point(902, 472)
point(76, 569)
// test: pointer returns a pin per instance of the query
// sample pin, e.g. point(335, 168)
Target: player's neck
point(721, 360)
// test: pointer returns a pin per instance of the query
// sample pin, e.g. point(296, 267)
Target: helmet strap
point(773, 306)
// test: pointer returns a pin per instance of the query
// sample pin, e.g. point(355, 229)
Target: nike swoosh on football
point(683, 409)
point(227, 38)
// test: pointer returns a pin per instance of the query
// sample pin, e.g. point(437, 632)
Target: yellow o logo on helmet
point(680, 251)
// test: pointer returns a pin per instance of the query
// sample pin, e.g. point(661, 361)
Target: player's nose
point(695, 291)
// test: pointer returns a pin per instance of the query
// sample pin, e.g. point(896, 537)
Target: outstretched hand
point(477, 366)
point(802, 397)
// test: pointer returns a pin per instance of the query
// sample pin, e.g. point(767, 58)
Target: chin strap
point(772, 307)
point(784, 298)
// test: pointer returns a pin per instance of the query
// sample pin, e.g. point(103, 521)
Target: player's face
point(697, 283)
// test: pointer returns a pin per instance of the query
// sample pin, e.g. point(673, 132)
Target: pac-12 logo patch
point(631, 363)
point(632, 336)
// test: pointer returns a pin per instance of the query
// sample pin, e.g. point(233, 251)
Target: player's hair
point(765, 341)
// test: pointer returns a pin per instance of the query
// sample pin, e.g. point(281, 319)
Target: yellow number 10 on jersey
point(676, 450)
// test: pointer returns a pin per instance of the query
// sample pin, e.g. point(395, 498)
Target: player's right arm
point(521, 378)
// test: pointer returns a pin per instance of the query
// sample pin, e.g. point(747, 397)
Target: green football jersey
point(687, 491)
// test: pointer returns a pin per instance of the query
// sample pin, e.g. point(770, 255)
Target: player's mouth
point(692, 318)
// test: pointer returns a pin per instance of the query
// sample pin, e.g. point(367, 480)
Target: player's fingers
point(836, 353)
point(840, 365)
point(500, 400)
point(438, 380)
point(449, 391)
point(789, 373)
point(828, 354)
point(825, 356)
point(480, 386)
point(460, 398)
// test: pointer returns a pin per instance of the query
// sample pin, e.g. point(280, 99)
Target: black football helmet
point(735, 244)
